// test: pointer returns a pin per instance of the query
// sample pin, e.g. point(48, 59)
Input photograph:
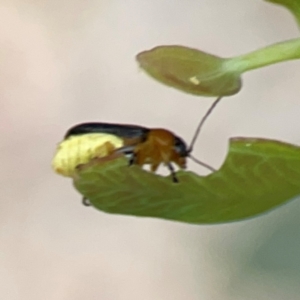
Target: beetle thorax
point(159, 148)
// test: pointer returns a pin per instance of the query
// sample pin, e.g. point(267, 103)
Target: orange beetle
point(144, 145)
point(147, 146)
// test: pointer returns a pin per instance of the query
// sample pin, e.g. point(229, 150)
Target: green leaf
point(292, 5)
point(190, 70)
point(258, 175)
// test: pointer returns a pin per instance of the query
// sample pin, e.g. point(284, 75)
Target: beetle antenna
point(202, 163)
point(199, 128)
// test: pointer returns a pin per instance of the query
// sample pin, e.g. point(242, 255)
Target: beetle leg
point(173, 174)
point(125, 150)
point(132, 159)
point(86, 201)
point(128, 151)
point(154, 167)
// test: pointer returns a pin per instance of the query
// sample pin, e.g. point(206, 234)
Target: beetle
point(142, 145)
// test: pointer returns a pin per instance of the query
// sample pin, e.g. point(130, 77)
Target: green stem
point(275, 53)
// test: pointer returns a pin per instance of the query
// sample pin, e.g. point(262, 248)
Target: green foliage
point(190, 70)
point(196, 72)
point(292, 5)
point(258, 175)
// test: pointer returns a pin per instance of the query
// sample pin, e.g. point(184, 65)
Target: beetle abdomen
point(80, 149)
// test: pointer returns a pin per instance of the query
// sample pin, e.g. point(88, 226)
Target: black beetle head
point(180, 147)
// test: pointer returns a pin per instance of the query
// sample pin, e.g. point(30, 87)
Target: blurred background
point(65, 62)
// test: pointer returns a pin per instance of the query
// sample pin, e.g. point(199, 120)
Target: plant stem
point(269, 55)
